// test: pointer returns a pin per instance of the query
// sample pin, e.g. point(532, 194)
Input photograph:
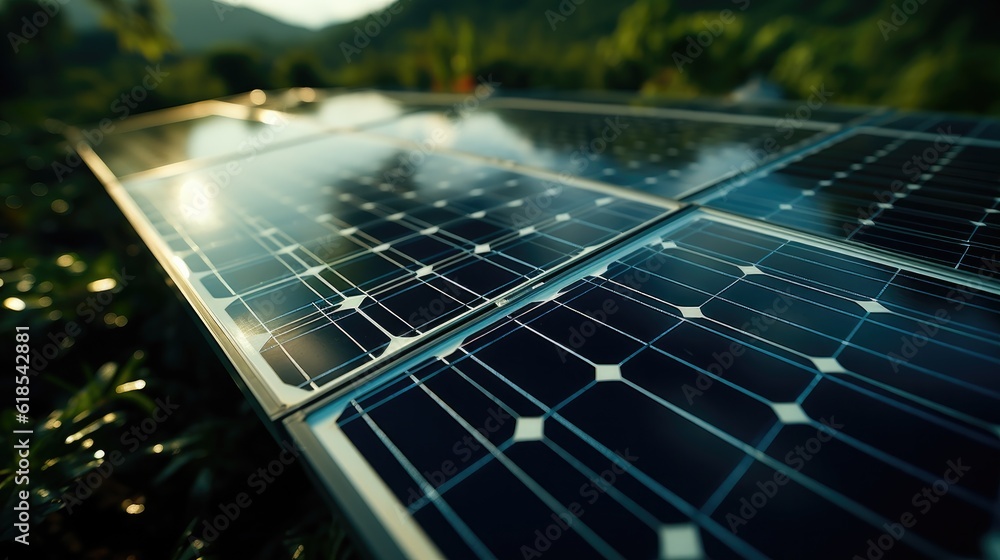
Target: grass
point(112, 474)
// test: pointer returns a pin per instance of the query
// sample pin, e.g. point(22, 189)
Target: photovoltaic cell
point(935, 199)
point(819, 111)
point(557, 363)
point(238, 128)
point(985, 129)
point(180, 141)
point(695, 398)
point(667, 156)
point(322, 267)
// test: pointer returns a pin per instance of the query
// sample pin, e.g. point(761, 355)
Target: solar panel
point(932, 197)
point(174, 141)
point(337, 269)
point(495, 329)
point(648, 408)
point(665, 151)
point(930, 123)
point(819, 110)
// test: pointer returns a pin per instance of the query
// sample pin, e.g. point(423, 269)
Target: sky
point(313, 14)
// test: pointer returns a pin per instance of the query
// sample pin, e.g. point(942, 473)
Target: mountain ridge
point(199, 25)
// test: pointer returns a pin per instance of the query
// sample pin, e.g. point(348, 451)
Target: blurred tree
point(439, 48)
point(300, 68)
point(640, 35)
point(240, 69)
point(933, 58)
point(39, 39)
point(141, 25)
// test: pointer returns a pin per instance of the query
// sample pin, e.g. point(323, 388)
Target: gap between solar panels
point(320, 283)
point(330, 277)
point(830, 338)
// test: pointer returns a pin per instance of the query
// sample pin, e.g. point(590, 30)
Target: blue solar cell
point(933, 198)
point(665, 153)
point(779, 360)
point(493, 336)
point(324, 270)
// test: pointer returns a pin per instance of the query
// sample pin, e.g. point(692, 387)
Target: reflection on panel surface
point(689, 375)
point(212, 136)
point(324, 267)
point(664, 156)
point(216, 129)
point(936, 123)
point(495, 333)
point(932, 198)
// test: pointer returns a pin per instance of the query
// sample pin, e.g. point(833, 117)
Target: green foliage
point(240, 69)
point(935, 59)
point(55, 239)
point(140, 25)
point(300, 69)
point(942, 57)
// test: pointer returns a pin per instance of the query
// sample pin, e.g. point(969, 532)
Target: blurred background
point(111, 338)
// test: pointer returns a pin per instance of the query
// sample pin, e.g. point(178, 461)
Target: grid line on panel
point(391, 247)
point(933, 199)
point(454, 519)
point(846, 341)
point(914, 124)
point(845, 503)
point(655, 487)
point(755, 453)
point(664, 156)
point(438, 496)
point(698, 353)
point(580, 527)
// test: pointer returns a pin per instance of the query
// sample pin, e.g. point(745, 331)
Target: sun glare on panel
point(196, 202)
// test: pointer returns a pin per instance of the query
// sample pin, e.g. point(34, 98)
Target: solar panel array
point(339, 268)
point(930, 197)
point(497, 330)
point(647, 149)
point(686, 377)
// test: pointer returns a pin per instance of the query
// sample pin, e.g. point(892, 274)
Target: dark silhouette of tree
point(239, 69)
